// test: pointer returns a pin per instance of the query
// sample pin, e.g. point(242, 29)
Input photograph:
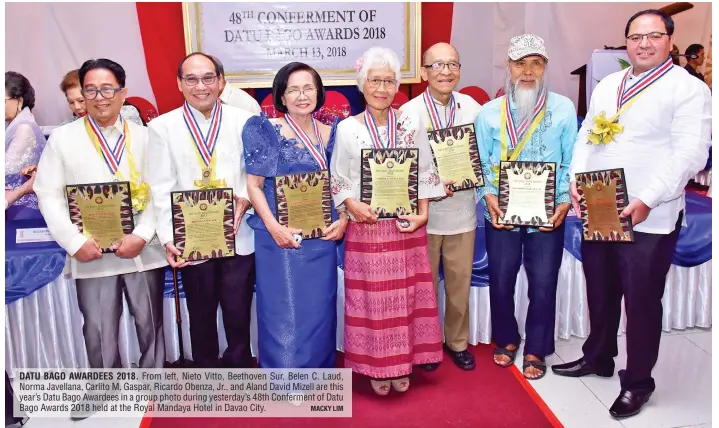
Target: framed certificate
point(526, 193)
point(102, 211)
point(303, 202)
point(390, 181)
point(603, 197)
point(456, 156)
point(203, 223)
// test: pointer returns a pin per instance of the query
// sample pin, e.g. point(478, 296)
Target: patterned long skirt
point(391, 317)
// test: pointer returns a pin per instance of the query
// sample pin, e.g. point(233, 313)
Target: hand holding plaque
point(303, 202)
point(203, 223)
point(526, 193)
point(389, 181)
point(602, 198)
point(102, 211)
point(456, 156)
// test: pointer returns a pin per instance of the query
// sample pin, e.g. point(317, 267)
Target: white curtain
point(45, 328)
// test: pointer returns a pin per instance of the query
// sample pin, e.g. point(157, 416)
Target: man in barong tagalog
point(529, 124)
point(654, 121)
point(452, 223)
point(198, 146)
point(103, 147)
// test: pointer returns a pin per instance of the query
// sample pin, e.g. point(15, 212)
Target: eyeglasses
point(653, 37)
point(534, 65)
point(439, 66)
point(295, 92)
point(388, 83)
point(107, 93)
point(207, 79)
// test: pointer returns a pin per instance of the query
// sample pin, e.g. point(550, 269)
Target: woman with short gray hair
point(391, 317)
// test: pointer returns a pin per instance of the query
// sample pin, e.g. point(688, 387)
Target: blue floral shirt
point(552, 141)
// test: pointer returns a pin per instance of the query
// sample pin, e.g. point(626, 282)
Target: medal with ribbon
point(605, 129)
point(205, 146)
point(433, 112)
point(318, 154)
point(517, 137)
point(139, 190)
point(374, 132)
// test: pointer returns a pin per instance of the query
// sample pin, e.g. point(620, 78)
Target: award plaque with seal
point(456, 156)
point(390, 180)
point(602, 198)
point(102, 211)
point(203, 223)
point(303, 202)
point(526, 193)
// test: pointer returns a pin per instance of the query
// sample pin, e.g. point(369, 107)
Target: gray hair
point(377, 57)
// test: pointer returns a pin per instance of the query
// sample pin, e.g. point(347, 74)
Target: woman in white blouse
point(391, 318)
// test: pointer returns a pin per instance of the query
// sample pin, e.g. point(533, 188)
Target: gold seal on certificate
point(203, 223)
point(102, 211)
point(303, 202)
point(456, 156)
point(602, 198)
point(390, 180)
point(526, 193)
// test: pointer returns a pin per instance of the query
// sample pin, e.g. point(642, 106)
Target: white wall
point(43, 41)
point(481, 32)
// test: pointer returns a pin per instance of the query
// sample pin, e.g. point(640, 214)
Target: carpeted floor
point(489, 396)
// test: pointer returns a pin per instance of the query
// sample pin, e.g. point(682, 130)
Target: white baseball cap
point(526, 45)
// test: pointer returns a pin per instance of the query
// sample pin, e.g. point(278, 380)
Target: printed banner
point(254, 40)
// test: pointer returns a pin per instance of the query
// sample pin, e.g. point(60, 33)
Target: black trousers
point(542, 254)
point(637, 271)
point(228, 282)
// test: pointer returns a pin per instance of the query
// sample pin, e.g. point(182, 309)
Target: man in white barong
point(662, 142)
point(100, 148)
point(452, 224)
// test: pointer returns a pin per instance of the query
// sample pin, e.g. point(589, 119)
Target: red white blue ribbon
point(112, 157)
point(624, 95)
point(205, 146)
point(319, 155)
point(374, 132)
point(516, 134)
point(433, 112)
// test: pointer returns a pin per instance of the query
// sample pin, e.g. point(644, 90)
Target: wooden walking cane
point(178, 318)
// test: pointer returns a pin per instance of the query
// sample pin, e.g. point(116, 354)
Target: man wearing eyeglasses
point(452, 223)
point(665, 119)
point(178, 140)
point(103, 147)
point(529, 123)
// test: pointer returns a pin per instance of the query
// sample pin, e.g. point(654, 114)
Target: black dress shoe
point(463, 359)
point(580, 368)
point(629, 403)
point(429, 367)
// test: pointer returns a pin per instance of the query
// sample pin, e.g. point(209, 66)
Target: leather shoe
point(429, 367)
point(463, 359)
point(629, 403)
point(579, 368)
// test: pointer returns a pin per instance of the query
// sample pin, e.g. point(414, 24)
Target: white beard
point(524, 99)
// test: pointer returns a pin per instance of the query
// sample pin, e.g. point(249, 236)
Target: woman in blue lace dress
point(296, 279)
point(24, 141)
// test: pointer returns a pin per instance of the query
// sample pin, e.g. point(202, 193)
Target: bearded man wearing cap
point(530, 124)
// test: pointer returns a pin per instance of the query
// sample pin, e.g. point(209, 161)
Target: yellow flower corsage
point(604, 129)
